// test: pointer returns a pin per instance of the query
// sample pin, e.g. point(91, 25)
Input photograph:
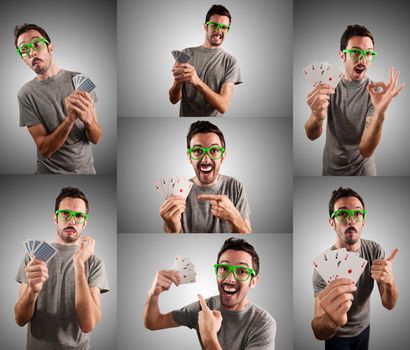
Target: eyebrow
point(34, 37)
point(199, 145)
point(228, 263)
point(357, 47)
point(346, 208)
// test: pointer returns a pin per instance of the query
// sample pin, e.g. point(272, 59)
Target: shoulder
point(26, 88)
point(95, 261)
point(261, 315)
point(372, 245)
point(192, 50)
point(231, 181)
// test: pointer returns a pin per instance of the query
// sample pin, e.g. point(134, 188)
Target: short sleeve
point(242, 203)
point(97, 276)
point(264, 339)
point(233, 72)
point(318, 283)
point(28, 116)
point(187, 316)
point(21, 272)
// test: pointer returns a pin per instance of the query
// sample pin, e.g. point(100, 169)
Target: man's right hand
point(318, 101)
point(163, 281)
point(36, 274)
point(69, 103)
point(336, 299)
point(171, 212)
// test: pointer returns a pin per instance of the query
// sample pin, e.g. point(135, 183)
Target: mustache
point(35, 60)
point(71, 228)
point(351, 229)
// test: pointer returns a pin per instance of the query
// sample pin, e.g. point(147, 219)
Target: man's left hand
point(86, 250)
point(381, 270)
point(186, 72)
point(82, 103)
point(209, 321)
point(222, 207)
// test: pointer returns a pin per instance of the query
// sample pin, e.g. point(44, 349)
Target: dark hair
point(240, 244)
point(203, 127)
point(340, 193)
point(217, 10)
point(25, 27)
point(351, 31)
point(72, 192)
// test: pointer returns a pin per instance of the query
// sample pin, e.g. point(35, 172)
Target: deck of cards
point(181, 57)
point(339, 263)
point(323, 73)
point(82, 82)
point(173, 186)
point(40, 249)
point(185, 269)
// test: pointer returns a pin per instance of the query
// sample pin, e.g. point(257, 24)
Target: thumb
point(393, 254)
point(217, 314)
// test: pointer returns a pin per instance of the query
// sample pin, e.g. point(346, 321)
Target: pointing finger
point(210, 196)
point(202, 302)
point(393, 254)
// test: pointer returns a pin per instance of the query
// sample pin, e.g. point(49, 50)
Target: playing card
point(175, 53)
point(352, 267)
point(332, 76)
point(185, 269)
point(27, 245)
point(86, 85)
point(45, 251)
point(158, 187)
point(182, 187)
point(183, 58)
point(173, 186)
point(322, 72)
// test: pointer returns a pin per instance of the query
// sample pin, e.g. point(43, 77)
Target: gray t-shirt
point(214, 67)
point(251, 328)
point(349, 106)
point(198, 217)
point(55, 322)
point(42, 102)
point(359, 313)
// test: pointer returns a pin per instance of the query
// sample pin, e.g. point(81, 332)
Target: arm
point(381, 96)
point(175, 92)
point(318, 102)
point(153, 318)
point(36, 274)
point(87, 300)
point(331, 306)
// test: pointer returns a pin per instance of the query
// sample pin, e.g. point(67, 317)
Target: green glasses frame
point(31, 46)
point(232, 269)
point(350, 213)
point(206, 150)
point(363, 53)
point(220, 26)
point(73, 214)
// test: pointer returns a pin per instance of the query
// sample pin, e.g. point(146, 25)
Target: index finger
point(393, 254)
point(202, 302)
point(215, 197)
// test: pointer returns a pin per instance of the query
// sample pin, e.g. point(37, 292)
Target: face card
point(45, 251)
point(183, 58)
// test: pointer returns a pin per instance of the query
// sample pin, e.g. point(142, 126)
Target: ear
point(188, 157)
point(85, 224)
point(332, 223)
point(50, 48)
point(205, 27)
point(254, 282)
point(55, 219)
point(223, 157)
point(342, 56)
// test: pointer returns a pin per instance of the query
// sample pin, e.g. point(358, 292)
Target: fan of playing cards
point(181, 57)
point(339, 263)
point(173, 186)
point(40, 249)
point(323, 73)
point(82, 82)
point(185, 269)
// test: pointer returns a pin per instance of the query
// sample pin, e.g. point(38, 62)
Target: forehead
point(74, 204)
point(348, 203)
point(28, 37)
point(206, 140)
point(362, 42)
point(236, 257)
point(219, 19)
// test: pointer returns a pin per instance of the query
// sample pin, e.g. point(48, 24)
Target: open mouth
point(217, 36)
point(206, 168)
point(359, 69)
point(229, 289)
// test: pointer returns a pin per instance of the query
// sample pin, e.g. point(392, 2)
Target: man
point(216, 203)
point(228, 321)
point(341, 307)
point(355, 110)
point(205, 84)
point(61, 121)
point(60, 300)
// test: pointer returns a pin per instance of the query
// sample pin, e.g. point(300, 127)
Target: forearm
point(152, 313)
point(212, 343)
point(371, 135)
point(87, 310)
point(175, 92)
point(25, 307)
point(323, 327)
point(239, 225)
point(216, 100)
point(389, 296)
point(313, 128)
point(93, 131)
point(52, 142)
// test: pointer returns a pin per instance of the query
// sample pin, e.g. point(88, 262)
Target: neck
point(238, 307)
point(349, 247)
point(58, 240)
point(200, 184)
point(207, 45)
point(51, 72)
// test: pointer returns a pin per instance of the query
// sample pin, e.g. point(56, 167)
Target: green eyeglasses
point(357, 54)
point(214, 26)
point(241, 273)
point(65, 215)
point(343, 215)
point(198, 152)
point(36, 45)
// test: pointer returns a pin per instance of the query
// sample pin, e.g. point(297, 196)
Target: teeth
point(206, 167)
point(229, 289)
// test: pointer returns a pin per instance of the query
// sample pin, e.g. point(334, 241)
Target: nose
point(206, 157)
point(350, 219)
point(71, 220)
point(32, 52)
point(230, 278)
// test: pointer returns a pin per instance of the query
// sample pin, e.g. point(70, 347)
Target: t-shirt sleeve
point(187, 316)
point(21, 273)
point(97, 276)
point(28, 116)
point(233, 73)
point(318, 283)
point(264, 339)
point(242, 203)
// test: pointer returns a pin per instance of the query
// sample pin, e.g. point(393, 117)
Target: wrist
point(32, 294)
point(330, 323)
point(210, 341)
point(78, 266)
point(379, 116)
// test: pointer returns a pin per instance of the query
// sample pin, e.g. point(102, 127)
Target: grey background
point(143, 255)
point(318, 26)
point(261, 40)
point(258, 155)
point(84, 37)
point(27, 206)
point(388, 206)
